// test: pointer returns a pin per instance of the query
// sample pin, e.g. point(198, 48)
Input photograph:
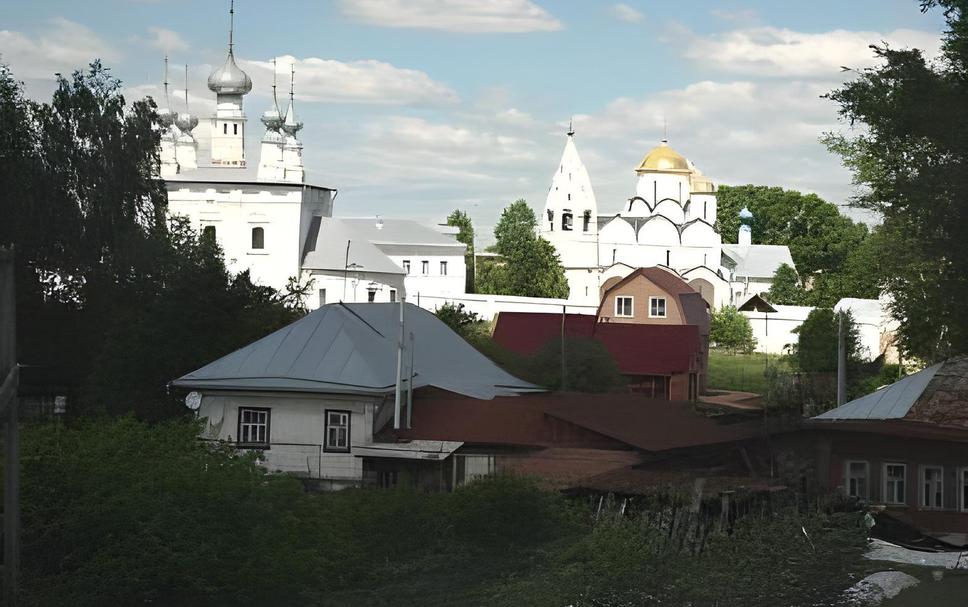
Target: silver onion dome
point(291, 125)
point(229, 79)
point(186, 122)
point(272, 119)
point(166, 118)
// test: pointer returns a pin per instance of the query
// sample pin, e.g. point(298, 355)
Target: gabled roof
point(329, 250)
point(892, 402)
point(691, 303)
point(758, 260)
point(352, 349)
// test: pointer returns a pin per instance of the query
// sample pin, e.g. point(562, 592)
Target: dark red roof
point(598, 421)
point(637, 349)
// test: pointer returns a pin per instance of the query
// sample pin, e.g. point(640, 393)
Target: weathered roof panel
point(892, 402)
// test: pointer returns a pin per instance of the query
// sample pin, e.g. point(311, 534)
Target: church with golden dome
point(669, 222)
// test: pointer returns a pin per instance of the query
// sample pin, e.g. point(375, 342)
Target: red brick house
point(652, 322)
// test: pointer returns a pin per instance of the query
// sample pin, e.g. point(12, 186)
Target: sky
point(414, 108)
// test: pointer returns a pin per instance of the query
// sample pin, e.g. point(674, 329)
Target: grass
point(743, 372)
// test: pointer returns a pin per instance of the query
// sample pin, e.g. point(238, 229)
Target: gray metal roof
point(758, 260)
point(398, 231)
point(328, 252)
point(891, 402)
point(352, 349)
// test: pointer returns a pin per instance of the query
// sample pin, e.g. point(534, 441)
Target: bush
point(731, 330)
point(588, 364)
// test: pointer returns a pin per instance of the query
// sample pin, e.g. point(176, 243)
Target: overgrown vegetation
point(743, 372)
point(122, 513)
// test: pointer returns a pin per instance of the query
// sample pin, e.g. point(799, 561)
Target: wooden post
point(9, 379)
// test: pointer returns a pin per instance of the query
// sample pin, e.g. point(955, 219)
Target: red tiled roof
point(637, 349)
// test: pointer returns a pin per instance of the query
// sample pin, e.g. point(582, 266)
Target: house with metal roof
point(904, 448)
point(313, 397)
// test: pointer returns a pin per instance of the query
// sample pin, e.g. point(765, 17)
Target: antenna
point(275, 69)
point(665, 130)
point(292, 80)
point(186, 87)
point(167, 100)
point(571, 128)
point(231, 23)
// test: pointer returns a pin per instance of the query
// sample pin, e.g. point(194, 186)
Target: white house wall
point(296, 431)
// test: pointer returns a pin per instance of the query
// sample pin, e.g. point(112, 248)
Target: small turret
point(271, 154)
point(186, 148)
point(292, 148)
point(230, 84)
point(169, 136)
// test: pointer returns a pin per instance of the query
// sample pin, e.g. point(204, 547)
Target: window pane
point(258, 238)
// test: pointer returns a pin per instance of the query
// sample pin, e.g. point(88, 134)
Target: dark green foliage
point(466, 236)
point(457, 319)
point(731, 330)
point(826, 246)
point(910, 155)
point(786, 289)
point(589, 367)
point(816, 347)
point(113, 302)
point(529, 265)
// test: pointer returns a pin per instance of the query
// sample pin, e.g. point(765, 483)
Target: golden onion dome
point(664, 159)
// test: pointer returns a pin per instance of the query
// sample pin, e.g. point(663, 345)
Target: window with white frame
point(894, 477)
point(857, 480)
point(623, 306)
point(963, 489)
point(657, 307)
point(337, 430)
point(253, 427)
point(406, 266)
point(425, 267)
point(932, 486)
point(443, 268)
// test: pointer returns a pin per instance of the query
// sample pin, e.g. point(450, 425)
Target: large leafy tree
point(112, 302)
point(822, 241)
point(731, 330)
point(529, 265)
point(786, 289)
point(910, 154)
point(817, 342)
point(465, 235)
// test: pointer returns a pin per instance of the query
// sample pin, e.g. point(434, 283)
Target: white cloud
point(363, 81)
point(742, 15)
point(467, 16)
point(166, 40)
point(771, 51)
point(62, 47)
point(624, 12)
point(514, 116)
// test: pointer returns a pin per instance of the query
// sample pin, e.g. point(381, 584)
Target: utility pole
point(841, 360)
point(564, 380)
point(9, 380)
point(399, 390)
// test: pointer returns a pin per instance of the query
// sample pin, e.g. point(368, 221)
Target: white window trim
point(884, 483)
point(962, 502)
point(665, 307)
point(425, 267)
point(867, 477)
point(443, 268)
point(405, 264)
point(923, 478)
point(631, 299)
point(326, 427)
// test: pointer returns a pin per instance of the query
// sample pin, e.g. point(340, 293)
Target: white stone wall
point(774, 331)
point(352, 288)
point(235, 209)
point(296, 431)
point(488, 306)
point(433, 282)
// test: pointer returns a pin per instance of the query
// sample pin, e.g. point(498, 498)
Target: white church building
point(669, 221)
point(270, 221)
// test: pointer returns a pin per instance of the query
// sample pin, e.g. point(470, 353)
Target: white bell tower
point(230, 84)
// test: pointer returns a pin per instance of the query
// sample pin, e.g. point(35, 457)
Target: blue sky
point(416, 107)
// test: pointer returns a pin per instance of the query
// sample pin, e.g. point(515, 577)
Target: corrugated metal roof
point(892, 402)
point(398, 231)
point(352, 349)
point(758, 260)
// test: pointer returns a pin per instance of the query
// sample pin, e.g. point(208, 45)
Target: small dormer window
point(657, 307)
point(623, 306)
point(566, 221)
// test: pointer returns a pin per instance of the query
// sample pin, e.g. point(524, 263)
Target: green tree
point(112, 301)
point(529, 265)
point(820, 238)
point(589, 367)
point(465, 235)
point(731, 330)
point(460, 320)
point(786, 289)
point(910, 156)
point(816, 348)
